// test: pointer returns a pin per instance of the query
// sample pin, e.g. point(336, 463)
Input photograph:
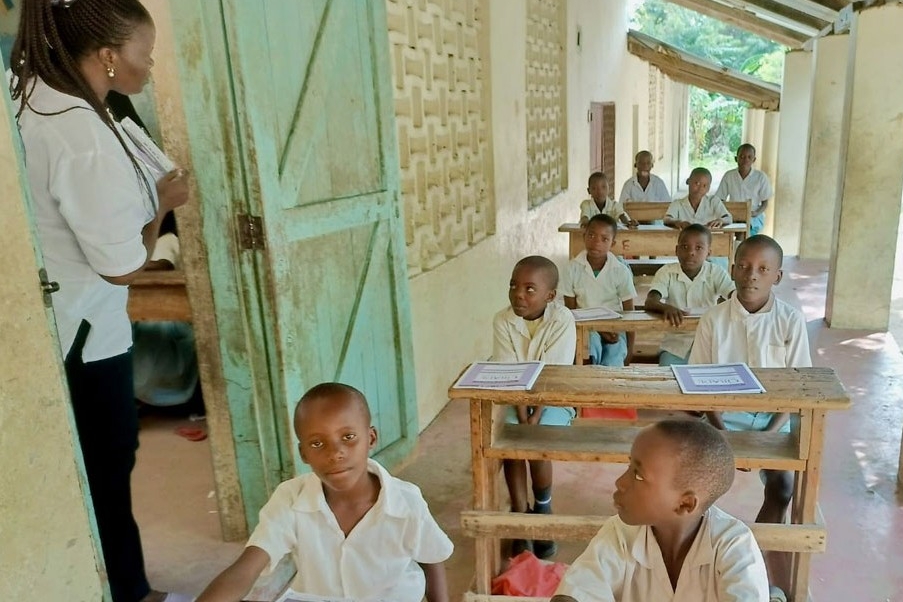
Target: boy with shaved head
point(354, 531)
point(668, 541)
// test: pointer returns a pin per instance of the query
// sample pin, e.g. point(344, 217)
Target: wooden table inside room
point(656, 241)
point(159, 295)
point(646, 211)
point(807, 393)
point(630, 321)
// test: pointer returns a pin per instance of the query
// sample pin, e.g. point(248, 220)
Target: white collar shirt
point(589, 208)
point(710, 208)
point(755, 187)
point(711, 283)
point(554, 342)
point(773, 337)
point(89, 208)
point(378, 560)
point(655, 191)
point(623, 563)
point(610, 288)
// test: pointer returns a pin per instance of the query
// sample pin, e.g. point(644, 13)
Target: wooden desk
point(159, 295)
point(807, 393)
point(631, 321)
point(646, 211)
point(655, 240)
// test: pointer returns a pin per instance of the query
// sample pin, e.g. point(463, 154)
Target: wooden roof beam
point(778, 12)
point(746, 20)
point(690, 69)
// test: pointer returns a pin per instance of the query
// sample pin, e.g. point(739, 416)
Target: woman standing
point(98, 213)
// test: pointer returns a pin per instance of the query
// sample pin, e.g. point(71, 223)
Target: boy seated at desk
point(668, 541)
point(690, 284)
point(747, 184)
point(534, 328)
point(354, 531)
point(596, 278)
point(757, 328)
point(599, 202)
point(644, 186)
point(697, 207)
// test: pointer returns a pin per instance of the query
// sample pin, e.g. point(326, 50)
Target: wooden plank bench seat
point(159, 296)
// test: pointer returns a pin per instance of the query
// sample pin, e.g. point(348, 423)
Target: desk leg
point(582, 346)
point(485, 495)
point(805, 503)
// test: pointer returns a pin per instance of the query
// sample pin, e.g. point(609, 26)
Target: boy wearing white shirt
point(644, 186)
point(596, 278)
point(354, 531)
point(599, 202)
point(697, 207)
point(668, 542)
point(691, 283)
point(534, 328)
point(757, 328)
point(747, 184)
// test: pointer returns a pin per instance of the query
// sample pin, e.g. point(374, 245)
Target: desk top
point(575, 227)
point(787, 390)
point(640, 321)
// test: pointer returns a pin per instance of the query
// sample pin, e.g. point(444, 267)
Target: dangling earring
point(111, 72)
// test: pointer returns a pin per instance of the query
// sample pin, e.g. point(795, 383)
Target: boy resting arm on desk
point(757, 328)
point(668, 541)
point(697, 207)
point(353, 530)
point(534, 328)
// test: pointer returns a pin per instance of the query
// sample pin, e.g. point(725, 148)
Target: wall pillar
point(767, 159)
point(792, 146)
point(821, 193)
point(868, 215)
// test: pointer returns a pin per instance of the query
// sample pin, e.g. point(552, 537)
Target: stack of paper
point(149, 153)
point(518, 376)
point(586, 314)
point(707, 379)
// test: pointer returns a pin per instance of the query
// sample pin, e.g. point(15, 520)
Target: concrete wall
point(453, 304)
point(47, 552)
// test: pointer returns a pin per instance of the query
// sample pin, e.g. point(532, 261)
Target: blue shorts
point(666, 358)
point(756, 224)
point(607, 354)
point(750, 421)
point(551, 416)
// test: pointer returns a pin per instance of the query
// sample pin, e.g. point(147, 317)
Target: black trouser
point(107, 422)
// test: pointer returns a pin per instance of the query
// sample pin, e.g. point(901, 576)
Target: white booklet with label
point(585, 314)
point(712, 379)
point(513, 376)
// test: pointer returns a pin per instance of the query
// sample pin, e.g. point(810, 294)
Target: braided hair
point(54, 35)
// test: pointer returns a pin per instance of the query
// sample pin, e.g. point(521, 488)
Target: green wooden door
point(309, 147)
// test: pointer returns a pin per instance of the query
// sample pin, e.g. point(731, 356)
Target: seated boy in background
point(747, 184)
point(353, 530)
point(757, 328)
point(668, 541)
point(596, 278)
point(644, 186)
point(534, 328)
point(599, 202)
point(697, 207)
point(690, 284)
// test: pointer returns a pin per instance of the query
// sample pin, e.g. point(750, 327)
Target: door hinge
point(250, 232)
point(47, 287)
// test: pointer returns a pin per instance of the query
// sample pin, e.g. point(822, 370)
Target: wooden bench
point(807, 393)
point(646, 211)
point(159, 296)
point(631, 321)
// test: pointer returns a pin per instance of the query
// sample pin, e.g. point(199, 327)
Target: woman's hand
point(172, 190)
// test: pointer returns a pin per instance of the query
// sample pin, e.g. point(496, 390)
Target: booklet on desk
point(293, 596)
point(586, 314)
point(515, 376)
point(708, 379)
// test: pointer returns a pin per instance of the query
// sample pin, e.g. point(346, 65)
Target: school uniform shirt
point(754, 187)
point(711, 283)
point(610, 288)
point(655, 191)
point(377, 561)
point(710, 208)
point(613, 208)
point(89, 208)
point(623, 563)
point(553, 342)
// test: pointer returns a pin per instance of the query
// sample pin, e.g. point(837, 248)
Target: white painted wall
point(453, 305)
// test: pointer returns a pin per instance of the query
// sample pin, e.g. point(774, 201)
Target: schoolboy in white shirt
point(668, 541)
point(747, 184)
point(697, 207)
point(690, 284)
point(354, 531)
point(534, 328)
point(596, 278)
point(599, 202)
point(757, 328)
point(644, 186)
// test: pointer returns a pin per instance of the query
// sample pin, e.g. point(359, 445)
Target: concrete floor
point(175, 505)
